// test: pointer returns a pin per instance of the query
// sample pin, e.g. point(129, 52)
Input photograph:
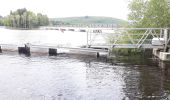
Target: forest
point(22, 18)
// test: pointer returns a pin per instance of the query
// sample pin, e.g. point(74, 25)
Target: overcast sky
point(68, 8)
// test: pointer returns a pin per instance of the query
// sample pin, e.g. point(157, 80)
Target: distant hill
point(88, 20)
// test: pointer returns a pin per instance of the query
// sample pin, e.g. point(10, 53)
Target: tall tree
point(137, 12)
point(149, 13)
point(158, 13)
point(25, 19)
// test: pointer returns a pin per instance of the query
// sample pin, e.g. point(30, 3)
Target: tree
point(137, 12)
point(25, 19)
point(1, 20)
point(149, 13)
point(158, 13)
point(42, 19)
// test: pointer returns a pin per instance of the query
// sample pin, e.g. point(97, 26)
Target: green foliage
point(87, 20)
point(1, 21)
point(149, 13)
point(137, 12)
point(158, 13)
point(25, 19)
point(126, 51)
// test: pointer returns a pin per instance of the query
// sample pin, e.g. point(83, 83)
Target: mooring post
point(0, 50)
point(97, 55)
point(24, 50)
point(52, 52)
point(27, 48)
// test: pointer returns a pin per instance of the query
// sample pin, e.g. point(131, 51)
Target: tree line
point(22, 18)
point(1, 21)
point(149, 13)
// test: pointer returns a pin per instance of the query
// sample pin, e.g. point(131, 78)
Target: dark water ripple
point(81, 78)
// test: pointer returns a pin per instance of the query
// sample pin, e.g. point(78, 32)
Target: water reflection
point(142, 78)
point(83, 78)
point(165, 73)
point(104, 81)
point(147, 82)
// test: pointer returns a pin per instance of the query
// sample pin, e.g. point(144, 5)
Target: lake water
point(77, 77)
point(42, 37)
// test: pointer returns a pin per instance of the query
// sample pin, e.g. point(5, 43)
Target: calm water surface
point(75, 77)
point(46, 37)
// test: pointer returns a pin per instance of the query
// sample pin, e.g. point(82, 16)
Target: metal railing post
point(166, 38)
point(165, 35)
point(87, 45)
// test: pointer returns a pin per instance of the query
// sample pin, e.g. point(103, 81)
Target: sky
point(68, 8)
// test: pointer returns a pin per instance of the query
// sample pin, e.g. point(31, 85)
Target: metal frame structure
point(137, 38)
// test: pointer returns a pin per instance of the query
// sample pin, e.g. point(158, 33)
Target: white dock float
point(29, 49)
point(164, 56)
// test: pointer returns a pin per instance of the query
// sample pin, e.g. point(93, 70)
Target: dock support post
point(52, 52)
point(165, 35)
point(97, 55)
point(109, 51)
point(27, 48)
point(0, 50)
point(87, 45)
point(24, 50)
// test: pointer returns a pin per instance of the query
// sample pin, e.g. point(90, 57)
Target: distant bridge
point(90, 25)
